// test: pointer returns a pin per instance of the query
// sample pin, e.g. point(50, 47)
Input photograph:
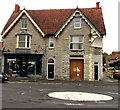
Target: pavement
point(25, 80)
point(39, 79)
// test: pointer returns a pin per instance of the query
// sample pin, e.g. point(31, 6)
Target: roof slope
point(95, 16)
point(113, 57)
point(49, 21)
point(10, 20)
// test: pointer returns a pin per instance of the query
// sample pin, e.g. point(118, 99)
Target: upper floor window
point(76, 42)
point(23, 41)
point(51, 42)
point(77, 22)
point(24, 22)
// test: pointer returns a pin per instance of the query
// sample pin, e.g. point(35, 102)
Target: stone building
point(55, 44)
point(112, 59)
point(0, 57)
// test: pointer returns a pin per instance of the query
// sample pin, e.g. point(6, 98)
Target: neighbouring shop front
point(23, 64)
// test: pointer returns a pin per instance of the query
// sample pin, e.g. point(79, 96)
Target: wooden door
point(76, 69)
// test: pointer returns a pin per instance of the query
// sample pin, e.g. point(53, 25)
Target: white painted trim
point(26, 41)
point(18, 17)
point(23, 28)
point(94, 36)
point(34, 23)
point(71, 17)
point(47, 68)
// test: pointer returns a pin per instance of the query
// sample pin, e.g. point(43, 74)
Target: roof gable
point(50, 21)
point(87, 19)
point(15, 17)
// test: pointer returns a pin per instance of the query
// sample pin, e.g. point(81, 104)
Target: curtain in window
point(76, 42)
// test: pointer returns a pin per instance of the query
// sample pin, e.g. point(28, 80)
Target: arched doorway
point(50, 69)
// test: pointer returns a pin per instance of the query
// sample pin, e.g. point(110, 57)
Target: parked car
point(116, 74)
point(111, 70)
point(3, 78)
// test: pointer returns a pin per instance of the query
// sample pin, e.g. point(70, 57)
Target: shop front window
point(23, 66)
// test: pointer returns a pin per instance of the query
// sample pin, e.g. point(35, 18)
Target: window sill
point(24, 28)
point(51, 47)
point(76, 50)
point(77, 28)
point(23, 48)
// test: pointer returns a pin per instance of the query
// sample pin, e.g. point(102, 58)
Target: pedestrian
point(10, 72)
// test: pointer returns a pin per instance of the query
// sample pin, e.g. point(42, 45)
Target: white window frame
point(76, 42)
point(54, 68)
point(24, 23)
point(51, 41)
point(77, 22)
point(25, 41)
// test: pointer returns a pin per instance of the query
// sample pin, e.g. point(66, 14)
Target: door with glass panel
point(50, 70)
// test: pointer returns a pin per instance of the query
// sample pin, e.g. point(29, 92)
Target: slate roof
point(49, 21)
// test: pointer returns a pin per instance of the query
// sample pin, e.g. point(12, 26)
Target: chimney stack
point(17, 8)
point(97, 4)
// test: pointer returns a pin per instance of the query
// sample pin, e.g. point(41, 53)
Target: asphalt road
point(35, 95)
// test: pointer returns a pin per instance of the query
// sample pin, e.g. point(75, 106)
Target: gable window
point(76, 42)
point(51, 42)
point(24, 22)
point(23, 41)
point(77, 22)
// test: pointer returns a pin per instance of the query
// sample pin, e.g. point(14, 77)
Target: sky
point(109, 8)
